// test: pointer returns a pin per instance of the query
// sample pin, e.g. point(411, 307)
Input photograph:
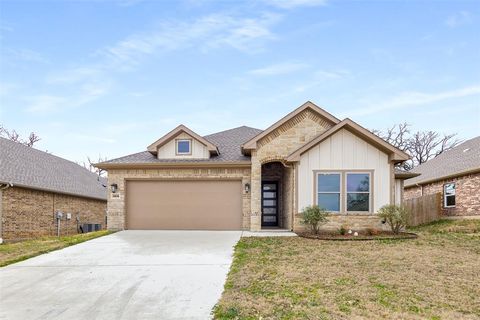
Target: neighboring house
point(35, 185)
point(455, 174)
point(246, 178)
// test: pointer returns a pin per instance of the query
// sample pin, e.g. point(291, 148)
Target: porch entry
point(269, 204)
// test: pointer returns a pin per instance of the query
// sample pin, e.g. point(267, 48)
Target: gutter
point(159, 165)
point(3, 186)
point(453, 175)
point(55, 191)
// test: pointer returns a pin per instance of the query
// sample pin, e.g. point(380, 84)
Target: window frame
point(445, 195)
point(343, 189)
point(317, 173)
point(190, 145)
point(370, 187)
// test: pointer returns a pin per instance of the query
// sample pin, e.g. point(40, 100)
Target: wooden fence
point(424, 209)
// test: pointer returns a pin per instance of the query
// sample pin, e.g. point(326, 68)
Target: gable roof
point(396, 154)
point(31, 168)
point(153, 148)
point(252, 143)
point(458, 161)
point(228, 143)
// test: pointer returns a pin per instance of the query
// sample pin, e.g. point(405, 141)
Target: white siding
point(398, 191)
point(344, 151)
point(199, 150)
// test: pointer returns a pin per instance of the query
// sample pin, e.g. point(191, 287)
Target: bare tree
point(90, 165)
point(421, 145)
point(14, 136)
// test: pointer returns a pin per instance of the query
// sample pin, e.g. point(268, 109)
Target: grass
point(432, 277)
point(19, 251)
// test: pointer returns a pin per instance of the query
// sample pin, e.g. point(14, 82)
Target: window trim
point(445, 195)
point(190, 144)
point(343, 189)
point(370, 188)
point(331, 192)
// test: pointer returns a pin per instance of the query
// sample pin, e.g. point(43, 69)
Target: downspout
point(4, 186)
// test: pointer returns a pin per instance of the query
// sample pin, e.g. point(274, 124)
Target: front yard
point(15, 252)
point(436, 276)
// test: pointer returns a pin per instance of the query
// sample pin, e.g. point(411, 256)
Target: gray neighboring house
point(455, 174)
point(35, 185)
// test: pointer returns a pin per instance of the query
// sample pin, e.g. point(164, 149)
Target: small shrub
point(313, 217)
point(394, 216)
point(342, 230)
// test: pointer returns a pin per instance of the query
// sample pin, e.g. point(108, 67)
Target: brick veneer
point(28, 213)
point(467, 196)
point(116, 202)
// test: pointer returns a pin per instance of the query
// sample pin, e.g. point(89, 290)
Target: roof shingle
point(463, 158)
point(31, 168)
point(228, 142)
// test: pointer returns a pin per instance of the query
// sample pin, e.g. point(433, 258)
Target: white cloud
point(44, 103)
point(89, 138)
point(74, 75)
point(458, 19)
point(11, 55)
point(331, 74)
point(88, 92)
point(84, 83)
point(289, 4)
point(320, 77)
point(213, 31)
point(409, 99)
point(278, 69)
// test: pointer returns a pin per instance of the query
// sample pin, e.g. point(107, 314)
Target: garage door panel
point(187, 205)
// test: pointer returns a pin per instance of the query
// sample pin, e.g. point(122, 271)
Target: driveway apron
point(126, 275)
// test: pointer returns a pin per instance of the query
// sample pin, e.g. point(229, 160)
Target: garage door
point(190, 205)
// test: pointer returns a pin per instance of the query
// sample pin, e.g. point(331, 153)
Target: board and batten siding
point(398, 192)
point(167, 151)
point(344, 151)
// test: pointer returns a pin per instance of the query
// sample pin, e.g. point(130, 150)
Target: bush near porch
point(432, 277)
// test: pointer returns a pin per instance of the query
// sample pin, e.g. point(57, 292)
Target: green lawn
point(15, 252)
point(436, 276)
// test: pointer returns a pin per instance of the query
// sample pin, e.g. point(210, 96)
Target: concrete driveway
point(127, 275)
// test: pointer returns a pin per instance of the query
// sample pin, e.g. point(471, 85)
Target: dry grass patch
point(19, 251)
point(432, 277)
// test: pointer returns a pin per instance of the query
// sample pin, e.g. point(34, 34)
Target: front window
point(358, 192)
point(449, 195)
point(328, 191)
point(184, 147)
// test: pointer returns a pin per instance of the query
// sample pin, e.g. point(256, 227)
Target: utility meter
point(69, 216)
point(59, 215)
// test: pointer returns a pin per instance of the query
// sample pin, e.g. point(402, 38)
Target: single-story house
point(246, 178)
point(35, 186)
point(455, 174)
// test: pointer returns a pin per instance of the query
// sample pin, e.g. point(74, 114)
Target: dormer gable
point(183, 143)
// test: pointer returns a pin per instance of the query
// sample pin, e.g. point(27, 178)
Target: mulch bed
point(384, 235)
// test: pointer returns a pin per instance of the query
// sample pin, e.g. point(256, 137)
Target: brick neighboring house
point(455, 174)
point(35, 185)
point(252, 179)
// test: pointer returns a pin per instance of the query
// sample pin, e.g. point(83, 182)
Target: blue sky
point(110, 77)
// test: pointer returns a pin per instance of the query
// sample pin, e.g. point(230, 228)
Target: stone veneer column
point(256, 185)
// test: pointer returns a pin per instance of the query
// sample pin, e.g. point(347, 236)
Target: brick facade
point(467, 198)
point(29, 213)
point(276, 146)
point(116, 202)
